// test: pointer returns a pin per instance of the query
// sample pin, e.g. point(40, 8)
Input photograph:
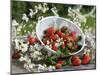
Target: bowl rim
point(37, 25)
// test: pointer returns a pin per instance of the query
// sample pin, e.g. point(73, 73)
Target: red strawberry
point(58, 66)
point(54, 47)
point(61, 62)
point(76, 62)
point(32, 41)
point(16, 55)
point(74, 57)
point(60, 34)
point(51, 30)
point(86, 59)
point(53, 37)
point(73, 33)
point(29, 36)
point(74, 38)
point(66, 36)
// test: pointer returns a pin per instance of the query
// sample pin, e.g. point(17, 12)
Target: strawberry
point(54, 47)
point(29, 36)
point(61, 62)
point(53, 37)
point(58, 66)
point(16, 55)
point(51, 30)
point(74, 57)
point(74, 38)
point(69, 38)
point(73, 33)
point(60, 34)
point(76, 62)
point(65, 36)
point(86, 59)
point(32, 40)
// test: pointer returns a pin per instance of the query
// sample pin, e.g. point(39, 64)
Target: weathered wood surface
point(18, 69)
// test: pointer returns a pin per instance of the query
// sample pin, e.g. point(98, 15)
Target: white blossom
point(32, 65)
point(18, 29)
point(40, 6)
point(55, 11)
point(24, 47)
point(39, 58)
point(37, 53)
point(33, 12)
point(16, 44)
point(57, 44)
point(21, 59)
point(37, 47)
point(27, 67)
point(33, 56)
point(33, 33)
point(25, 18)
point(44, 10)
point(70, 12)
point(48, 42)
point(86, 51)
point(80, 18)
point(14, 23)
point(32, 48)
point(36, 9)
point(58, 40)
point(50, 45)
point(45, 7)
point(40, 17)
point(41, 68)
point(51, 68)
point(25, 58)
point(75, 13)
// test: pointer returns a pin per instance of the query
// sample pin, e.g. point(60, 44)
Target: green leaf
point(51, 60)
point(66, 51)
point(68, 62)
point(59, 52)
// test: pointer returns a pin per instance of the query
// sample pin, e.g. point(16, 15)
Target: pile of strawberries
point(75, 61)
point(69, 38)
